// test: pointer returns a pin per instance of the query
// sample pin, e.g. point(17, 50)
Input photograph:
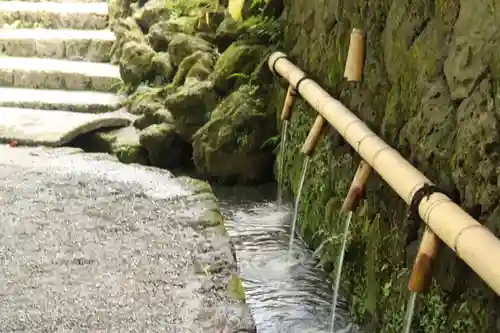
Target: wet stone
point(88, 244)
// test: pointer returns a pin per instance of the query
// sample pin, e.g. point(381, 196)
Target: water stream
point(282, 162)
point(338, 273)
point(409, 312)
point(297, 206)
point(284, 297)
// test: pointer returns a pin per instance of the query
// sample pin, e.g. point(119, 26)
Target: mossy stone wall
point(430, 89)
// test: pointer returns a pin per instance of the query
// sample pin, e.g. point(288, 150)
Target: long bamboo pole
point(472, 242)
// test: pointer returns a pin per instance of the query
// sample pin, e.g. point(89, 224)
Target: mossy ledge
point(438, 110)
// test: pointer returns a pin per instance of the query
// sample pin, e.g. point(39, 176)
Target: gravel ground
point(91, 245)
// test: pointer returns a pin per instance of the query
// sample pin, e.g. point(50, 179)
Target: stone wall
point(430, 89)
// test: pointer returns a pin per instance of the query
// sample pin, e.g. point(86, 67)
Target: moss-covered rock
point(198, 65)
point(191, 105)
point(157, 117)
point(117, 9)
point(476, 36)
point(230, 146)
point(126, 30)
point(235, 65)
point(162, 68)
point(183, 45)
point(161, 33)
point(152, 12)
point(146, 100)
point(166, 149)
point(122, 142)
point(136, 63)
point(228, 32)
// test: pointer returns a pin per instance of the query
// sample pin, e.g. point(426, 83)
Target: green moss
point(235, 288)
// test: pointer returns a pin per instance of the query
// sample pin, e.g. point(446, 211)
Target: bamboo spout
point(421, 276)
point(286, 114)
point(357, 189)
point(313, 136)
point(355, 56)
point(472, 242)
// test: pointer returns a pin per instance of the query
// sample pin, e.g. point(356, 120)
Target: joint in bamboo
point(355, 56)
point(357, 188)
point(421, 275)
point(314, 135)
point(286, 113)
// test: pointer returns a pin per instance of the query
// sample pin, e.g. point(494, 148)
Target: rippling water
point(284, 297)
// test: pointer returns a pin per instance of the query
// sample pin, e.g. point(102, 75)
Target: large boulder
point(230, 146)
point(191, 105)
point(126, 30)
point(162, 68)
point(235, 65)
point(146, 100)
point(152, 12)
point(228, 32)
point(198, 65)
point(183, 45)
point(166, 149)
point(136, 63)
point(161, 33)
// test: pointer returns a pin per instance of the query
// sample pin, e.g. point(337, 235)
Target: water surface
point(283, 297)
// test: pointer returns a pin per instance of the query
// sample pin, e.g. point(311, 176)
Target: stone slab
point(46, 99)
point(54, 14)
point(53, 128)
point(88, 45)
point(44, 73)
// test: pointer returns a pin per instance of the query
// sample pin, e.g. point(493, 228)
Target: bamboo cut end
point(286, 114)
point(421, 276)
point(357, 188)
point(352, 199)
point(273, 59)
point(313, 137)
point(355, 56)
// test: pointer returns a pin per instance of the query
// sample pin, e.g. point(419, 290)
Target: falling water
point(283, 298)
point(339, 270)
point(409, 312)
point(297, 206)
point(282, 161)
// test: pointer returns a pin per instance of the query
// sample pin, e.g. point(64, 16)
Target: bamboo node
point(273, 67)
point(425, 191)
point(297, 85)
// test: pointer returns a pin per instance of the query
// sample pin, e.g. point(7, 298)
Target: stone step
point(43, 73)
point(53, 128)
point(89, 45)
point(75, 101)
point(81, 15)
point(69, 1)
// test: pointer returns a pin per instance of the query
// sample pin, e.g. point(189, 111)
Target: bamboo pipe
point(357, 189)
point(420, 278)
point(286, 113)
point(353, 72)
point(472, 242)
point(355, 56)
point(313, 136)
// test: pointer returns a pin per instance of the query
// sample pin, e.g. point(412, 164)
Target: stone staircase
point(54, 55)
